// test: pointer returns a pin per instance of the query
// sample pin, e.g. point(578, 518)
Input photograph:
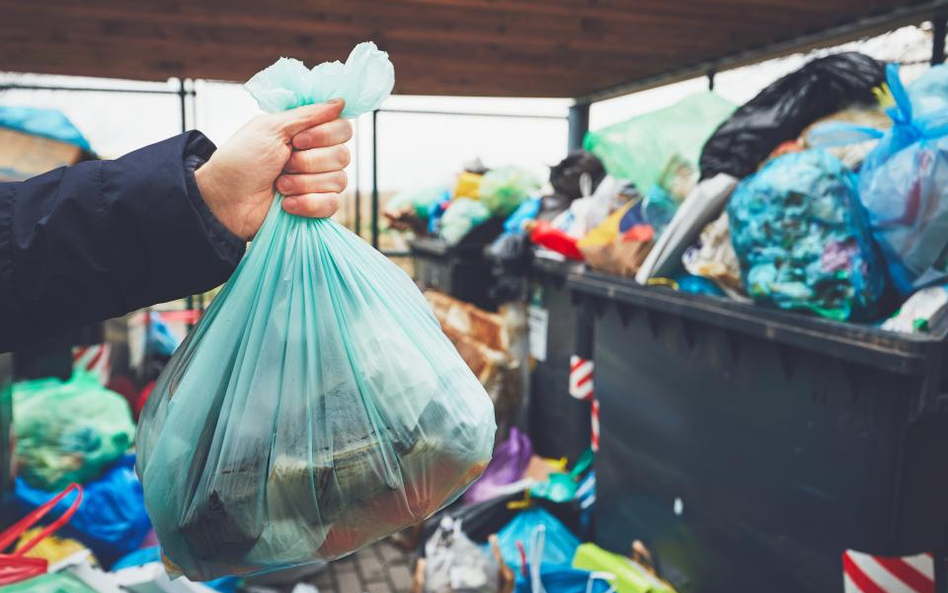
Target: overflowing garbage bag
point(903, 183)
point(68, 431)
point(461, 217)
point(315, 408)
point(639, 149)
point(803, 239)
point(111, 521)
point(559, 545)
point(781, 111)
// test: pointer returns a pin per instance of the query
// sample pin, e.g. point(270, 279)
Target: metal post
point(939, 30)
point(357, 146)
point(182, 97)
point(711, 74)
point(578, 125)
point(375, 179)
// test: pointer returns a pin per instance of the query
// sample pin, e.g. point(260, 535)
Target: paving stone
point(348, 582)
point(370, 566)
point(401, 577)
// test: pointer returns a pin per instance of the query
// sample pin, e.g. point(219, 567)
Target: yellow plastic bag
point(469, 186)
point(52, 548)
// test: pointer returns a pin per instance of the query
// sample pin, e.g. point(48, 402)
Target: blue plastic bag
point(803, 240)
point(158, 338)
point(540, 576)
point(316, 407)
point(559, 545)
point(903, 183)
point(527, 211)
point(48, 123)
point(111, 520)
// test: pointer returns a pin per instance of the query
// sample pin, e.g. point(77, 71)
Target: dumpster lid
point(902, 353)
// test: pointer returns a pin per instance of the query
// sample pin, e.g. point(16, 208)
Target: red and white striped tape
point(580, 378)
point(581, 387)
point(863, 573)
point(96, 359)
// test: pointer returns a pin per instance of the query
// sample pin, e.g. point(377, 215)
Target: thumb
point(296, 120)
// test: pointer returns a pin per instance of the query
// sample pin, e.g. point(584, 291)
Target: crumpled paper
point(365, 81)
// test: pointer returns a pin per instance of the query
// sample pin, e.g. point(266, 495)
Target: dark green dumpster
point(749, 448)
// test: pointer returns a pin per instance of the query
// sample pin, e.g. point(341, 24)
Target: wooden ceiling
point(530, 48)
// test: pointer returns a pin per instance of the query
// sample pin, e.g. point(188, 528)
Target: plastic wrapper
point(903, 184)
point(460, 218)
point(455, 564)
point(639, 149)
point(503, 190)
point(111, 521)
point(68, 431)
point(920, 312)
point(781, 111)
point(315, 408)
point(803, 240)
point(713, 257)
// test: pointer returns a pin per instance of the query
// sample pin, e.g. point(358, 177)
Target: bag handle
point(537, 543)
point(17, 567)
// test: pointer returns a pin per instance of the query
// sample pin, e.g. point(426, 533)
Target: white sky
point(413, 149)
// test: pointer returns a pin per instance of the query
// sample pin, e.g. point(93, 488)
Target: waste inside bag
point(803, 240)
point(315, 408)
point(920, 312)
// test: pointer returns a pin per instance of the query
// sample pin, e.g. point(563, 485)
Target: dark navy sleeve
point(102, 238)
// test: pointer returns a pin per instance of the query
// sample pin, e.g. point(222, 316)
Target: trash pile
point(522, 527)
point(827, 193)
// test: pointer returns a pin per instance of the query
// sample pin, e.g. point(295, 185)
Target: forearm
point(99, 239)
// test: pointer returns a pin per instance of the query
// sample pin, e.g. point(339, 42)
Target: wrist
point(212, 193)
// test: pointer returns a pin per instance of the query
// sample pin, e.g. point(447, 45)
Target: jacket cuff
point(228, 245)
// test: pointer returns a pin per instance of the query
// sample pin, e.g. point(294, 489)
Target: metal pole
point(711, 74)
point(357, 146)
point(182, 97)
point(578, 125)
point(939, 30)
point(375, 179)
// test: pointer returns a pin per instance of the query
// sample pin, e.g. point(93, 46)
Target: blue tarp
point(48, 123)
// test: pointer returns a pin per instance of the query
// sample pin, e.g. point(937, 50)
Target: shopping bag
point(315, 408)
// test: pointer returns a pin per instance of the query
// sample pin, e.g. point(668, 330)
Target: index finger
point(296, 120)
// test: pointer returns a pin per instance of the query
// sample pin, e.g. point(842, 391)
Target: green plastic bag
point(316, 408)
point(503, 190)
point(55, 582)
point(631, 577)
point(462, 215)
point(638, 149)
point(68, 431)
point(419, 201)
point(562, 487)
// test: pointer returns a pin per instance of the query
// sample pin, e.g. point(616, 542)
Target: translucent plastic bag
point(803, 240)
point(639, 149)
point(316, 407)
point(68, 431)
point(903, 183)
point(503, 190)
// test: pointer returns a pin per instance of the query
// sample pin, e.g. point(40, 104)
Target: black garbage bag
point(783, 110)
point(565, 176)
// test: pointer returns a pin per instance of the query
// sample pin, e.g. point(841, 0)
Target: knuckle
point(342, 153)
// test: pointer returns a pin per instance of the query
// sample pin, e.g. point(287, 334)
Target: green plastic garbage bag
point(419, 201)
point(68, 431)
point(462, 215)
point(503, 190)
point(315, 408)
point(55, 582)
point(638, 149)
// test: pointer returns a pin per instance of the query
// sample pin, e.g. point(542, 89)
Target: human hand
point(300, 152)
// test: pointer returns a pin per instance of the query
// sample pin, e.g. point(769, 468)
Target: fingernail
point(335, 101)
point(290, 203)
